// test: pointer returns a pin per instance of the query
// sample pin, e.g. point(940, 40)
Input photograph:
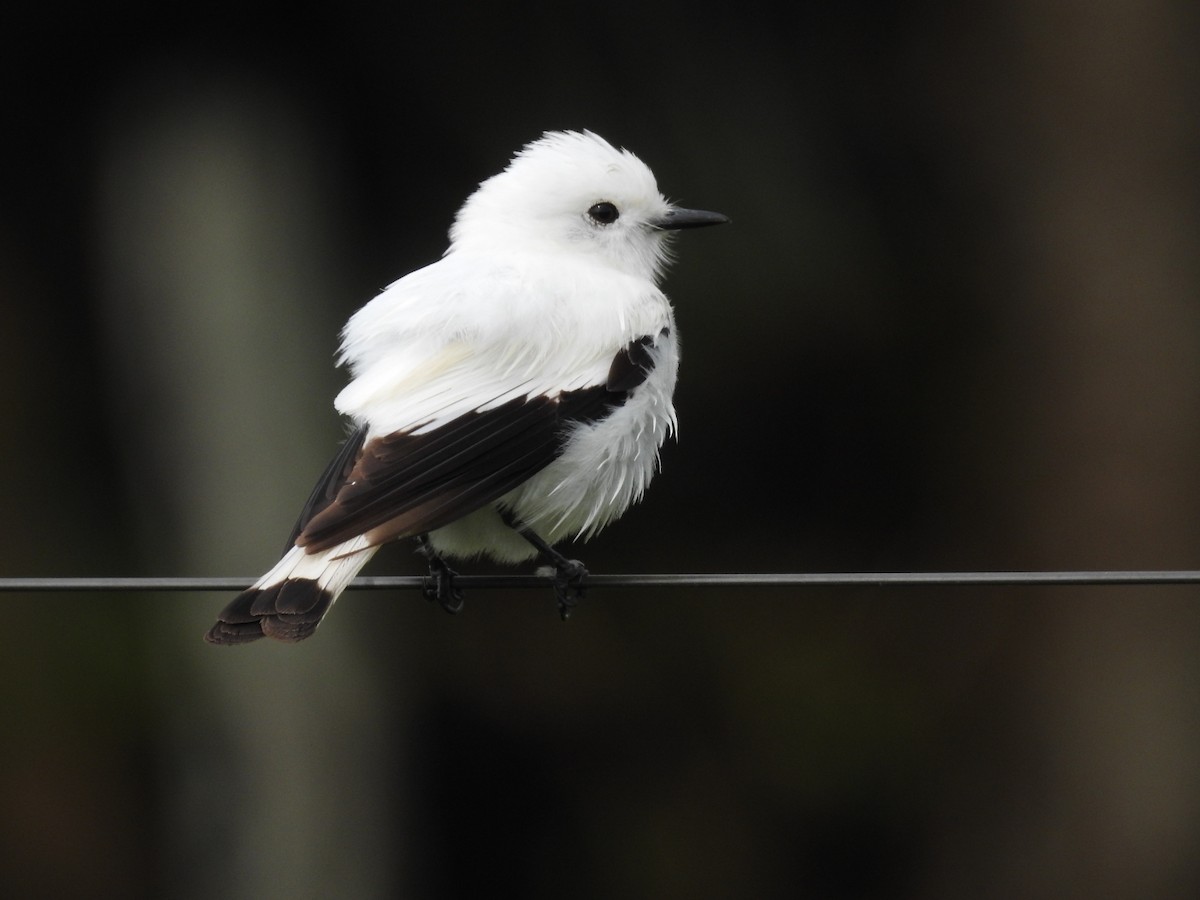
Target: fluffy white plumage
point(519, 388)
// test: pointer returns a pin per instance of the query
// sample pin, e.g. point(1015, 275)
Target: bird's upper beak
point(675, 218)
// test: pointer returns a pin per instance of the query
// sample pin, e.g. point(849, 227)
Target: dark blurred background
point(954, 325)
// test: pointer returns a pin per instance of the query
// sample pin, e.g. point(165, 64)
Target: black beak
point(674, 219)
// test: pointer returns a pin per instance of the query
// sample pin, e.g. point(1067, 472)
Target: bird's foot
point(438, 585)
point(567, 575)
point(568, 580)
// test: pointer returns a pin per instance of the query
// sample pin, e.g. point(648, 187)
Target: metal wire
point(752, 580)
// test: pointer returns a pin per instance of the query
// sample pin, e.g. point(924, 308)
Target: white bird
point(512, 394)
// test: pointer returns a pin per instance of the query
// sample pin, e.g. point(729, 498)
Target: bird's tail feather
point(289, 602)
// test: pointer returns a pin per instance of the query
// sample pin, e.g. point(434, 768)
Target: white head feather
point(541, 202)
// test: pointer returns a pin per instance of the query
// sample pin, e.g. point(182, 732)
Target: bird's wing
point(331, 480)
point(472, 429)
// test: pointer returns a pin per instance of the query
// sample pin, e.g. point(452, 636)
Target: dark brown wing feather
point(404, 484)
point(633, 365)
point(327, 485)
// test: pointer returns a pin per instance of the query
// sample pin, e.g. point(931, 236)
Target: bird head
point(573, 193)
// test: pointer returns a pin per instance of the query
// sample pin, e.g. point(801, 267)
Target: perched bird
point(512, 394)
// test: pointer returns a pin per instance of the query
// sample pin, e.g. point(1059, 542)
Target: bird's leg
point(569, 574)
point(439, 585)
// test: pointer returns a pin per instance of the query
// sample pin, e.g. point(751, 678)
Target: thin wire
point(751, 580)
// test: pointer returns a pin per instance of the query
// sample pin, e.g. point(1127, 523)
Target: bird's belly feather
point(604, 467)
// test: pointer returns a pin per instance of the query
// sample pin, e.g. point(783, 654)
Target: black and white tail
point(289, 602)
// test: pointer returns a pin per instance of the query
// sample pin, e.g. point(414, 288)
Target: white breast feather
point(605, 466)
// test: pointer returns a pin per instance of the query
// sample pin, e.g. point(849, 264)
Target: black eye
point(604, 213)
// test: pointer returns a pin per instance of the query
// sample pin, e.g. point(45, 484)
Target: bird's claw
point(568, 581)
point(439, 588)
